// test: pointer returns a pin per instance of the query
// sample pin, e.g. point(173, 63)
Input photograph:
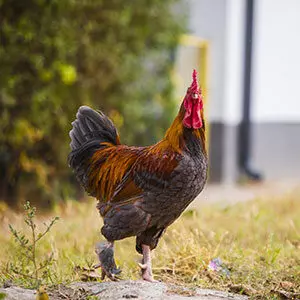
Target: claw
point(112, 276)
point(149, 278)
point(96, 266)
point(102, 274)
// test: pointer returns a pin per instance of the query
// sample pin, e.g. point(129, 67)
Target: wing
point(121, 174)
point(153, 169)
point(108, 167)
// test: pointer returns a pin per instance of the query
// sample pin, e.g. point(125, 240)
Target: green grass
point(258, 242)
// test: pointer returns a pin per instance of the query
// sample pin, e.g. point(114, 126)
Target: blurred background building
point(252, 83)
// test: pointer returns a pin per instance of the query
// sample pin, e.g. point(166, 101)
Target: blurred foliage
point(57, 55)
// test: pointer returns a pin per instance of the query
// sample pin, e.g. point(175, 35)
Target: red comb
point(193, 105)
point(194, 86)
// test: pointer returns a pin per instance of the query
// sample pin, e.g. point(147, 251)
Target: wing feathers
point(119, 173)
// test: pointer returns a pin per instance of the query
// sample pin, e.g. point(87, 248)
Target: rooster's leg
point(146, 265)
point(105, 252)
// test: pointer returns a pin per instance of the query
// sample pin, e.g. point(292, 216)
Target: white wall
point(234, 61)
point(207, 21)
point(221, 22)
point(276, 64)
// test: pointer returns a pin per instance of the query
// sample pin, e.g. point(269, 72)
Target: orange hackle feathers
point(173, 136)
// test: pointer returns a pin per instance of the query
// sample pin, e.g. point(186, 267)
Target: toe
point(111, 275)
point(116, 271)
point(149, 278)
point(96, 266)
point(142, 266)
point(103, 274)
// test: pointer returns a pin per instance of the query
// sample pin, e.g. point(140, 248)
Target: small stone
point(129, 296)
point(7, 284)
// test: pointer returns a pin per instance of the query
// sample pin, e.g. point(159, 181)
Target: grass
point(258, 242)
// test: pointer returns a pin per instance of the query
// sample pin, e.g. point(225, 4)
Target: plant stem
point(34, 251)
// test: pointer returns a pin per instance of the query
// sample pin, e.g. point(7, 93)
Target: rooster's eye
point(195, 96)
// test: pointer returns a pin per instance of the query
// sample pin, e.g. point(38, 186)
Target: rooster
point(140, 190)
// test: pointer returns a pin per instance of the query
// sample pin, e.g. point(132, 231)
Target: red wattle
point(192, 118)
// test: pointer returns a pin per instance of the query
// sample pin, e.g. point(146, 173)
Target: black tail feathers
point(91, 125)
point(90, 129)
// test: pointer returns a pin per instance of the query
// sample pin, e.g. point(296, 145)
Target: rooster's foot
point(147, 273)
point(105, 252)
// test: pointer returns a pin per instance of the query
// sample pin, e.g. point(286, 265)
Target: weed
point(29, 266)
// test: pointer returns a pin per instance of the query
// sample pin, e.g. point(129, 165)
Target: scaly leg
point(146, 264)
point(105, 252)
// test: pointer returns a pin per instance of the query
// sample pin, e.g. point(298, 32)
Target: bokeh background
point(133, 60)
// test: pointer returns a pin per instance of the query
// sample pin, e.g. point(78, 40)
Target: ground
point(123, 290)
point(249, 248)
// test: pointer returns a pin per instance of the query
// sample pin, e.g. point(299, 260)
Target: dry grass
point(259, 242)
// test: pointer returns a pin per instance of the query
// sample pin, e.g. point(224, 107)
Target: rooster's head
point(193, 104)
